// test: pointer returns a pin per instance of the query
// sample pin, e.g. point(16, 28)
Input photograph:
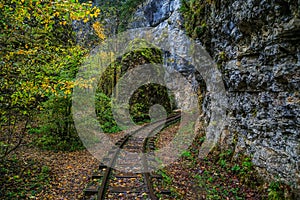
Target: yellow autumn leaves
point(39, 47)
point(64, 87)
point(87, 15)
point(99, 30)
point(52, 11)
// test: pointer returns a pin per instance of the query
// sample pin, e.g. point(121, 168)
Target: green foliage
point(145, 97)
point(48, 141)
point(104, 113)
point(222, 163)
point(186, 154)
point(22, 180)
point(166, 178)
point(241, 166)
point(55, 116)
point(139, 52)
point(276, 191)
point(247, 164)
point(194, 14)
point(119, 12)
point(236, 168)
point(38, 58)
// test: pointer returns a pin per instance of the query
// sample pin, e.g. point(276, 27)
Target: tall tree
point(38, 59)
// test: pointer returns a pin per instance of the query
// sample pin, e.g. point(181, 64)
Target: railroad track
point(134, 180)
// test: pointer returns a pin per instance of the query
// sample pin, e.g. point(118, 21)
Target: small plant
point(236, 168)
point(275, 191)
point(201, 139)
point(45, 169)
point(104, 113)
point(222, 56)
point(222, 163)
point(224, 157)
point(247, 163)
point(166, 178)
point(210, 179)
point(186, 154)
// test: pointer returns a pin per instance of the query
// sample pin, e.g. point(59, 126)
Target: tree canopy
point(39, 57)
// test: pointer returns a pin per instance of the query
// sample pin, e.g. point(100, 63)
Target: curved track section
point(109, 183)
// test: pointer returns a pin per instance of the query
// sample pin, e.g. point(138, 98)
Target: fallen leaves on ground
point(194, 178)
point(68, 172)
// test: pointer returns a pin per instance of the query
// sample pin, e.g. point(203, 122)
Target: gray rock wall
point(260, 40)
point(259, 43)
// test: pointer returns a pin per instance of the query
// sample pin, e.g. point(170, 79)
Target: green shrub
point(104, 113)
point(276, 191)
point(147, 96)
point(194, 14)
point(38, 57)
point(139, 53)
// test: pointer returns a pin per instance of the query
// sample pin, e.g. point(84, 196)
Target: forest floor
point(39, 174)
point(218, 176)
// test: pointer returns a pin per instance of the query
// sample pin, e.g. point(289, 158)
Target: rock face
point(166, 26)
point(152, 13)
point(257, 46)
point(260, 40)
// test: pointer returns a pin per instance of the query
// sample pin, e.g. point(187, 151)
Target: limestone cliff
point(256, 46)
